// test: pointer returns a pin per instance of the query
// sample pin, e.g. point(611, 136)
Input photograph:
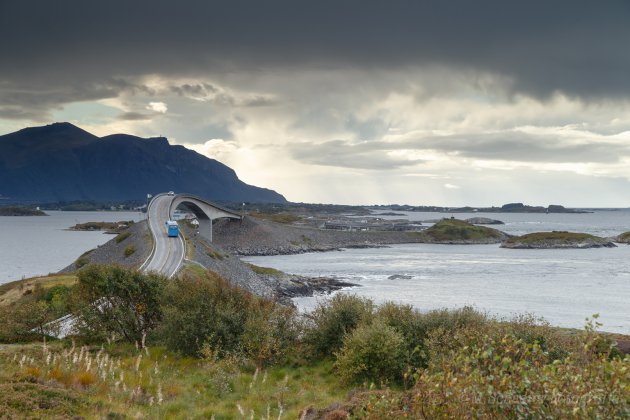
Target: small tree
point(114, 300)
point(374, 353)
point(331, 321)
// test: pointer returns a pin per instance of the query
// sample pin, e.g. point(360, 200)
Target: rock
point(399, 277)
point(557, 240)
point(484, 221)
point(624, 238)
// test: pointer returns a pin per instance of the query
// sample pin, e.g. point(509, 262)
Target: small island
point(109, 227)
point(484, 221)
point(459, 232)
point(557, 239)
point(20, 211)
point(624, 238)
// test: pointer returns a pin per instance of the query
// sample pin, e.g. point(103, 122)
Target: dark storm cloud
point(525, 147)
point(134, 116)
point(577, 47)
point(207, 92)
point(508, 145)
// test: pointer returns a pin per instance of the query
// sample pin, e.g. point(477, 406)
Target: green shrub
point(207, 310)
point(373, 353)
point(332, 320)
point(121, 237)
point(417, 326)
point(115, 300)
point(82, 261)
point(508, 377)
point(58, 298)
point(129, 250)
point(270, 332)
point(484, 372)
point(26, 320)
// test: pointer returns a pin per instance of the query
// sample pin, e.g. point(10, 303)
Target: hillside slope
point(61, 162)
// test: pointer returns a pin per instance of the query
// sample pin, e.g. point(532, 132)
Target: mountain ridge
point(62, 162)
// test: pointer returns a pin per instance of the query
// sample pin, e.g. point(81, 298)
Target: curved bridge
point(169, 253)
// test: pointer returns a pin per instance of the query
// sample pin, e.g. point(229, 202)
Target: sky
point(452, 102)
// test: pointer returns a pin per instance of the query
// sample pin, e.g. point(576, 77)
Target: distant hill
point(61, 162)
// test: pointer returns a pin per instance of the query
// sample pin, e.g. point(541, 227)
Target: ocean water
point(31, 246)
point(563, 286)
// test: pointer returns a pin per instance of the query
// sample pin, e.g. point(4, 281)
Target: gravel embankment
point(269, 283)
point(113, 252)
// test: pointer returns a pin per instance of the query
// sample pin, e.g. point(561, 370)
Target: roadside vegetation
point(198, 347)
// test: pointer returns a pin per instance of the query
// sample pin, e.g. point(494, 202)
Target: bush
point(508, 377)
point(82, 261)
point(332, 320)
point(417, 326)
point(121, 237)
point(114, 300)
point(486, 371)
point(270, 331)
point(26, 320)
point(206, 310)
point(129, 250)
point(373, 352)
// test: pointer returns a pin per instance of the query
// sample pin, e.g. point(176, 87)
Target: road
point(168, 252)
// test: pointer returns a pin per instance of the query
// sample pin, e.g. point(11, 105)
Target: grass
point(13, 291)
point(457, 230)
point(118, 380)
point(265, 270)
point(286, 218)
point(121, 237)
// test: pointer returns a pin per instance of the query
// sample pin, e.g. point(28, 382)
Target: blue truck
point(172, 228)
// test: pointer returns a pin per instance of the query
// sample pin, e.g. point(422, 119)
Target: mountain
point(61, 162)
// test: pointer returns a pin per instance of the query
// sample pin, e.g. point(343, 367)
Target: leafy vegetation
point(503, 376)
point(328, 324)
point(213, 349)
point(207, 311)
point(373, 352)
point(129, 250)
point(111, 300)
point(27, 306)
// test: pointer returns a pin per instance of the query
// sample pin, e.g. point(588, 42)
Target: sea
point(562, 286)
point(37, 245)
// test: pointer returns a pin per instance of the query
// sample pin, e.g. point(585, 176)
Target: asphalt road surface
point(168, 254)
